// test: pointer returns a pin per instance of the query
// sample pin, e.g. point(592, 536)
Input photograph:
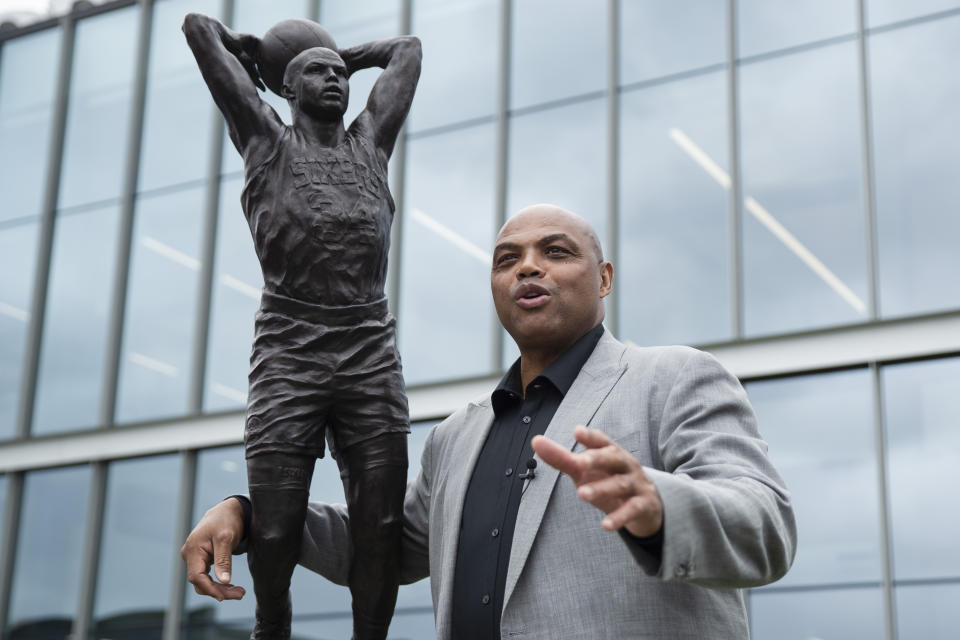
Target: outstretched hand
point(212, 542)
point(609, 478)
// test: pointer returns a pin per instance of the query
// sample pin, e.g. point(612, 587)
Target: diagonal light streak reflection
point(451, 236)
point(764, 217)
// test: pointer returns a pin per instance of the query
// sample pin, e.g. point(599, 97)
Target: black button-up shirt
point(493, 496)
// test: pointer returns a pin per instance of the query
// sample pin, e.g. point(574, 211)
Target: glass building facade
point(775, 182)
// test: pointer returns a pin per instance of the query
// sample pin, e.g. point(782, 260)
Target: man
point(324, 361)
point(667, 505)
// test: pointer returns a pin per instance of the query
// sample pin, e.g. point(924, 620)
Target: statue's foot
point(265, 630)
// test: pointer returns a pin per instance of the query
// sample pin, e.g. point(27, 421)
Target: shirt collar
point(561, 373)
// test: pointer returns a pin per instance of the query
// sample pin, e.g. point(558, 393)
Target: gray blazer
point(728, 522)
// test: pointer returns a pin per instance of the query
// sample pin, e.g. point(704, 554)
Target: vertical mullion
point(41, 278)
point(208, 247)
point(886, 536)
point(8, 551)
point(613, 152)
point(736, 188)
point(867, 150)
point(501, 157)
point(398, 188)
point(83, 623)
point(128, 199)
point(173, 620)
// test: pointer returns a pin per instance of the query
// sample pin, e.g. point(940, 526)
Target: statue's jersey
point(320, 219)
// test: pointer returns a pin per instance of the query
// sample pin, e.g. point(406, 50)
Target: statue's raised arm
point(227, 61)
point(390, 99)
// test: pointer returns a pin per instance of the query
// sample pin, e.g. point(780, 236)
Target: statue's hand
point(212, 542)
point(246, 48)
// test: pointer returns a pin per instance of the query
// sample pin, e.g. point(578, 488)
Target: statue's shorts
point(319, 372)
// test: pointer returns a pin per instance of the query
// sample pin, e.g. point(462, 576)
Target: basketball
point(283, 42)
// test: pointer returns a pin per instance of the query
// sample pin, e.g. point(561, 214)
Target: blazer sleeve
point(326, 547)
point(728, 520)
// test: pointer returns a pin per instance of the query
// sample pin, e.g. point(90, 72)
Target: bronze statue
point(324, 363)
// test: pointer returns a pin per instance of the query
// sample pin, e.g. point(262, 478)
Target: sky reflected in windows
point(446, 313)
point(804, 236)
point(915, 88)
point(851, 614)
point(673, 271)
point(881, 12)
point(768, 25)
point(820, 429)
point(929, 612)
point(53, 520)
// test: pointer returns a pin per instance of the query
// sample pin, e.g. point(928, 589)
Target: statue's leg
point(375, 483)
point(279, 489)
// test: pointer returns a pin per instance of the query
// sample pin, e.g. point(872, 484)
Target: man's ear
point(286, 92)
point(606, 278)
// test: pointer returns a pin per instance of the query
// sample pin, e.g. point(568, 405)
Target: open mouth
point(531, 296)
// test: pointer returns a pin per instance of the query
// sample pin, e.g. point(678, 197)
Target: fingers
point(591, 438)
point(641, 515)
point(211, 543)
point(222, 556)
point(555, 455)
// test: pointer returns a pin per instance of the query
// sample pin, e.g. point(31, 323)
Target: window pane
point(820, 429)
point(767, 26)
point(923, 440)
point(237, 282)
point(804, 241)
point(255, 17)
point(75, 328)
point(138, 547)
point(661, 38)
point(674, 264)
point(916, 131)
point(560, 156)
point(155, 368)
point(446, 312)
point(928, 611)
point(460, 54)
point(28, 74)
point(177, 116)
point(99, 109)
point(18, 244)
point(851, 614)
point(886, 11)
point(558, 50)
point(46, 576)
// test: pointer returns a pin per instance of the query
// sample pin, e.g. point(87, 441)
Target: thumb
point(222, 559)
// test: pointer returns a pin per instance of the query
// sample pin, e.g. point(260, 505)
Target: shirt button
point(495, 532)
point(508, 472)
point(485, 599)
point(526, 419)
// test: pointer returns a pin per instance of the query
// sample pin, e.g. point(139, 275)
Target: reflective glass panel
point(804, 240)
point(99, 107)
point(820, 429)
point(558, 50)
point(46, 571)
point(560, 156)
point(923, 443)
point(158, 341)
point(3, 506)
point(256, 17)
point(851, 614)
point(661, 38)
point(673, 272)
point(460, 59)
point(18, 244)
point(416, 625)
point(28, 74)
point(177, 116)
point(929, 612)
point(765, 25)
point(881, 12)
point(916, 133)
point(75, 327)
point(237, 282)
point(138, 547)
point(446, 313)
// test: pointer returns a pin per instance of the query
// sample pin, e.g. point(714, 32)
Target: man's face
point(322, 87)
point(548, 279)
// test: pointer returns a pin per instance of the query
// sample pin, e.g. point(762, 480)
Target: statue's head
point(316, 84)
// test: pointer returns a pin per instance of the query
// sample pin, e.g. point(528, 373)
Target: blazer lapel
point(458, 466)
point(597, 377)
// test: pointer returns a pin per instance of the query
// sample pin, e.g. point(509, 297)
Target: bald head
point(551, 214)
point(319, 54)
